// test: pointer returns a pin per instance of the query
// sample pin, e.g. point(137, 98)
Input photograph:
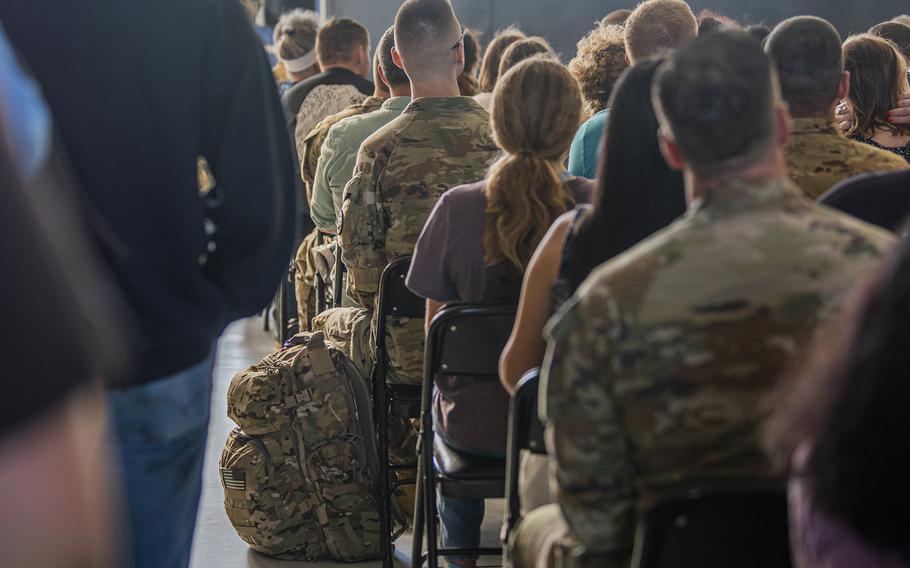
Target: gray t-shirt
point(448, 266)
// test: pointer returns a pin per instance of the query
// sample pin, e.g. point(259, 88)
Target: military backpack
point(300, 473)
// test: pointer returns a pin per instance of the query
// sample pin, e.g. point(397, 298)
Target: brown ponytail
point(537, 108)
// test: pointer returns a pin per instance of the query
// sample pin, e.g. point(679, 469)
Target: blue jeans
point(161, 430)
point(460, 521)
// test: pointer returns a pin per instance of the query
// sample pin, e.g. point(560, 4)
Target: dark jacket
point(139, 90)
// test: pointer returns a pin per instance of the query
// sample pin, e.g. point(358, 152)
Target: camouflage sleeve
point(593, 469)
point(361, 232)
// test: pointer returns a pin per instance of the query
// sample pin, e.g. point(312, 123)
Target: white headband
point(300, 64)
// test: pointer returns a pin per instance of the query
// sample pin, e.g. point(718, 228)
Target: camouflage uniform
point(819, 157)
point(656, 369)
point(401, 171)
point(305, 267)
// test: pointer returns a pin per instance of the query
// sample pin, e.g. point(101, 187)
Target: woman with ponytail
point(477, 244)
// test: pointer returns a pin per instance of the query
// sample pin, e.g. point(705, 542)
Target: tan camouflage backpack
point(300, 474)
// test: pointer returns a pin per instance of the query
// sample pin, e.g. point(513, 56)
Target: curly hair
point(598, 63)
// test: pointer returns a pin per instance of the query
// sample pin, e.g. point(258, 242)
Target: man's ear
point(459, 58)
point(670, 151)
point(382, 75)
point(784, 123)
point(843, 88)
point(396, 58)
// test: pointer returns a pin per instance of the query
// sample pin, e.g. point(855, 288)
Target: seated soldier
point(338, 156)
point(304, 263)
point(440, 140)
point(656, 369)
point(810, 62)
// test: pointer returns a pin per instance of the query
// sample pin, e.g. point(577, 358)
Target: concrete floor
point(216, 544)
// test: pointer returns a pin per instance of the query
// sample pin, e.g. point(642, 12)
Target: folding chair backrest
point(468, 339)
point(715, 528)
point(395, 299)
point(525, 433)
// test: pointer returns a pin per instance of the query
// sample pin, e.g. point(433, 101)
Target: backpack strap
point(319, 356)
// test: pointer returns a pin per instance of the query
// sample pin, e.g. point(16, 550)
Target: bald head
point(427, 39)
point(657, 26)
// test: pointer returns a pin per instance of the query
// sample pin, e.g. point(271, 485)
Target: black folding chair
point(287, 323)
point(716, 527)
point(392, 401)
point(464, 340)
point(525, 433)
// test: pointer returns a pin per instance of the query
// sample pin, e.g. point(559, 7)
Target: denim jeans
point(460, 521)
point(160, 429)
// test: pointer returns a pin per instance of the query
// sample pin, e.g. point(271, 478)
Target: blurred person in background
point(616, 18)
point(842, 429)
point(896, 32)
point(61, 336)
point(134, 116)
point(810, 64)
point(598, 63)
point(878, 79)
point(653, 28)
point(525, 49)
point(295, 45)
point(467, 81)
point(489, 67)
point(343, 54)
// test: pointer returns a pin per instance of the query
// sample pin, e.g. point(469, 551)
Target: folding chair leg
point(429, 489)
point(419, 512)
point(381, 411)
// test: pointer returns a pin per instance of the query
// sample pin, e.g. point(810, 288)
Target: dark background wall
point(564, 22)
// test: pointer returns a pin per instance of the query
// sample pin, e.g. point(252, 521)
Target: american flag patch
point(234, 479)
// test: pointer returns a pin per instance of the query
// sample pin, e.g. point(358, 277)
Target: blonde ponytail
point(537, 109)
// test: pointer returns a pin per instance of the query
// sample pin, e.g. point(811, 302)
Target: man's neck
point(826, 114)
point(448, 88)
point(402, 91)
point(773, 168)
point(345, 66)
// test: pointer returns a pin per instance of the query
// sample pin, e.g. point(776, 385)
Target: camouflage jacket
point(312, 144)
point(819, 157)
point(401, 171)
point(655, 370)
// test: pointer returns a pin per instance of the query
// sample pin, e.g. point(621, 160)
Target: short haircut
point(616, 18)
point(339, 39)
point(524, 49)
point(295, 34)
point(425, 33)
point(598, 63)
point(896, 32)
point(810, 63)
point(716, 97)
point(489, 67)
point(394, 75)
point(657, 26)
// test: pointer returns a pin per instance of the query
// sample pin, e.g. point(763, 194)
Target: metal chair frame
point(426, 513)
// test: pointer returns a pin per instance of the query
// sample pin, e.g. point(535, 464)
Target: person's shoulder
point(466, 197)
point(876, 156)
point(388, 136)
point(855, 237)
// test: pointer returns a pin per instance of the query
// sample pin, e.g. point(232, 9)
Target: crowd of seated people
point(702, 225)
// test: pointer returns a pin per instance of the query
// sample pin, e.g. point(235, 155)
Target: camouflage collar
point(373, 101)
point(744, 195)
point(396, 103)
point(814, 126)
point(443, 104)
